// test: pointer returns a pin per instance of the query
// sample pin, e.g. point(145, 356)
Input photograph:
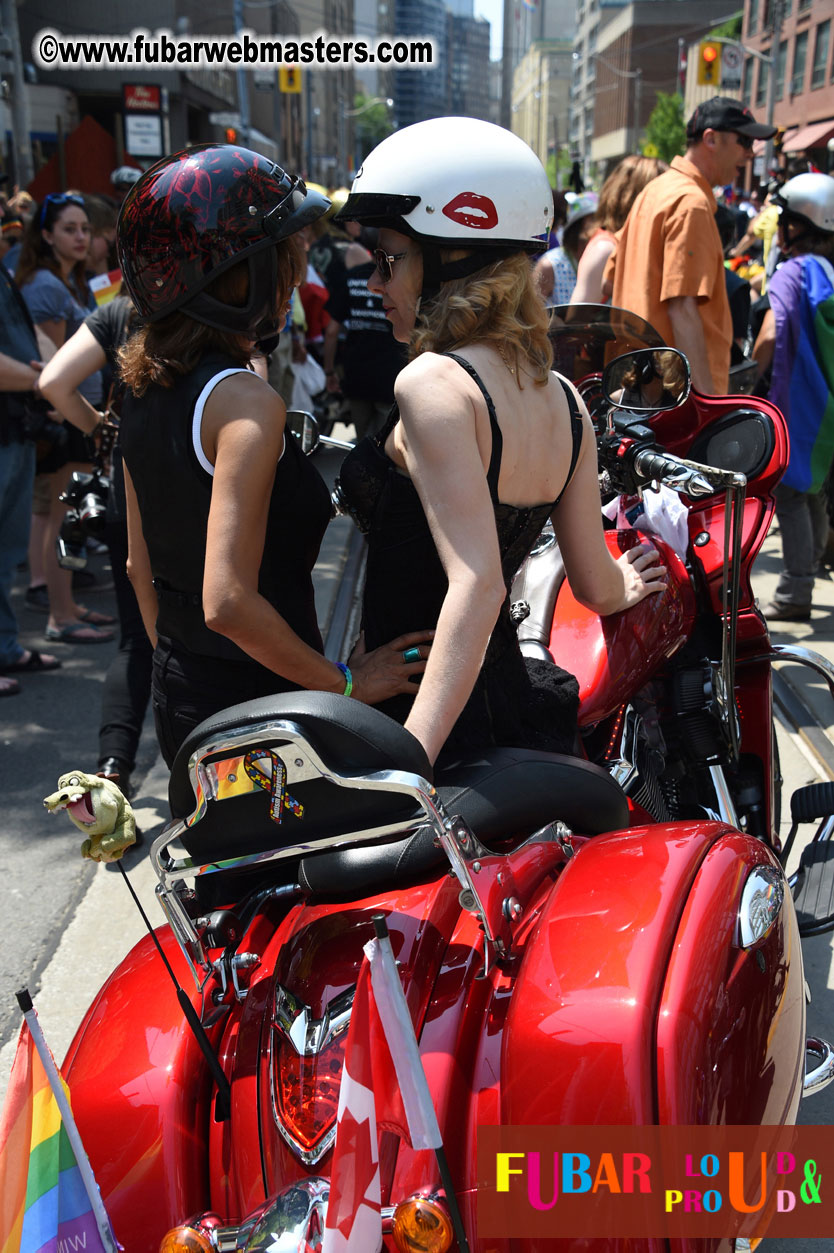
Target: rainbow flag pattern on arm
point(44, 1204)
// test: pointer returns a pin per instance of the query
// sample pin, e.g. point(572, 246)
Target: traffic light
point(231, 135)
point(289, 79)
point(709, 64)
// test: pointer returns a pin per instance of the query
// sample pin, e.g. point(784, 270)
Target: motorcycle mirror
point(305, 428)
point(647, 381)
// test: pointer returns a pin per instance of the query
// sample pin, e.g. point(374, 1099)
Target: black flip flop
point(32, 665)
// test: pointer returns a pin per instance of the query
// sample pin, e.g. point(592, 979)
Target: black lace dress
point(516, 701)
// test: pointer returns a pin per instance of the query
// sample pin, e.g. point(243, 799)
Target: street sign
point(141, 97)
point(143, 134)
point(732, 60)
point(225, 119)
point(143, 106)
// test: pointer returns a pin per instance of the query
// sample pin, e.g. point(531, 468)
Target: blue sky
point(492, 10)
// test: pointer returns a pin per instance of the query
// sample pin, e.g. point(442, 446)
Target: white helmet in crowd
point(809, 197)
point(455, 182)
point(125, 176)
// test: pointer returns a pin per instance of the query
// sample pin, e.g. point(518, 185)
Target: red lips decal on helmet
point(470, 209)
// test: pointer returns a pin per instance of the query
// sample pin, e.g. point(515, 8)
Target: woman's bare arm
point(589, 272)
point(765, 343)
point(596, 579)
point(243, 435)
point(81, 356)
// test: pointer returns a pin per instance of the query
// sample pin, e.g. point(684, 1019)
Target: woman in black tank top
point(225, 514)
point(484, 443)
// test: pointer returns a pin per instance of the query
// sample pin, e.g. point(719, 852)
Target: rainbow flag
point(106, 286)
point(44, 1201)
point(802, 381)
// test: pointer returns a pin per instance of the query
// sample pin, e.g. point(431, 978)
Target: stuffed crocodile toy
point(99, 810)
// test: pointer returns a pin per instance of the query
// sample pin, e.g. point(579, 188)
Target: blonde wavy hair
point(497, 305)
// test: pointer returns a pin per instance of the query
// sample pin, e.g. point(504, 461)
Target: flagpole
point(419, 1075)
point(30, 1014)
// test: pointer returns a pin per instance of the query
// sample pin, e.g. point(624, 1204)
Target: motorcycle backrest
point(235, 817)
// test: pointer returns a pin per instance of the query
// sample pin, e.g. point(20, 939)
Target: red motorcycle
point(599, 941)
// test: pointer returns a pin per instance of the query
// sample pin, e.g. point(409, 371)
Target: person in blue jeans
point(19, 371)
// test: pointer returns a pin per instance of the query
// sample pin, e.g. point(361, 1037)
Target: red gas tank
point(612, 657)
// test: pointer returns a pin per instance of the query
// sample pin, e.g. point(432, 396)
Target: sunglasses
point(60, 200)
point(384, 262)
point(744, 141)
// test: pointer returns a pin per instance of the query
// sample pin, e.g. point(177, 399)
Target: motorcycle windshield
point(586, 337)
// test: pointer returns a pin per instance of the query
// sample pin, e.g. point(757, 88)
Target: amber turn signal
point(186, 1240)
point(422, 1225)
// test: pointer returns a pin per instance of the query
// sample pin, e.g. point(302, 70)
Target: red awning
point(812, 136)
point(760, 144)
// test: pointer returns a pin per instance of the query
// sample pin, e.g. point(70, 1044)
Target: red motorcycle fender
point(731, 1029)
point(578, 1046)
point(140, 1094)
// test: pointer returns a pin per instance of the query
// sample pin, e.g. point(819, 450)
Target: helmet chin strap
point(257, 317)
point(437, 271)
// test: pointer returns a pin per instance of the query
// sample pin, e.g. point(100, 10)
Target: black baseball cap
point(722, 113)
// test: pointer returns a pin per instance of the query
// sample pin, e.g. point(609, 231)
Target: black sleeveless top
point(174, 495)
point(516, 701)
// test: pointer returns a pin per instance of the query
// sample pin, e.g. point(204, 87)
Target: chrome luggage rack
point(486, 881)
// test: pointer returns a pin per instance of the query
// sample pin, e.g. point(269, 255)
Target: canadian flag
point(382, 1072)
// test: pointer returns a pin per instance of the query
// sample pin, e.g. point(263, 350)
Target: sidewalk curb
point(788, 699)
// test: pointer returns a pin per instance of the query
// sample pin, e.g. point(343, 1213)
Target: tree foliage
point(731, 29)
point(666, 129)
point(372, 124)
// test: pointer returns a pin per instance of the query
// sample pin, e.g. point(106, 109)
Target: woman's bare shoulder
point(428, 370)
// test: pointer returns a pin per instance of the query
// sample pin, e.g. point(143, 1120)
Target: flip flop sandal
point(78, 633)
point(9, 687)
point(97, 619)
point(33, 663)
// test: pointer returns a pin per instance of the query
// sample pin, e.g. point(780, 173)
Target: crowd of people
point(421, 330)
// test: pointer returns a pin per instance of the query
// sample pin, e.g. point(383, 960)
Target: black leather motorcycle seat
point(505, 793)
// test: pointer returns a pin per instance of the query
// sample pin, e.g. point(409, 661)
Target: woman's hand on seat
point(389, 669)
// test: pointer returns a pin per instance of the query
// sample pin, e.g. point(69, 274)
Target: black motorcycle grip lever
point(653, 465)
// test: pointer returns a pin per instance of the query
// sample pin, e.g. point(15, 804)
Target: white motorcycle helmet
point(810, 198)
point(455, 182)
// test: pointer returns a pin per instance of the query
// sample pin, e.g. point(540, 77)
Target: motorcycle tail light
point(422, 1225)
point(307, 1089)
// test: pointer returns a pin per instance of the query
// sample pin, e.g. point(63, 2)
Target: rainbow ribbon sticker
point(273, 783)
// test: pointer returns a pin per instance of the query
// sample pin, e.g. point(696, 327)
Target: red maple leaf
point(357, 1153)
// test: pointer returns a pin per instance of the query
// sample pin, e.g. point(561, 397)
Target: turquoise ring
point(411, 654)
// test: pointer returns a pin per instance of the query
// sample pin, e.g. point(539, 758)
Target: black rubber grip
point(812, 802)
point(653, 465)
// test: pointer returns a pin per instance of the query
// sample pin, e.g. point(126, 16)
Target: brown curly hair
point(160, 352)
point(497, 305)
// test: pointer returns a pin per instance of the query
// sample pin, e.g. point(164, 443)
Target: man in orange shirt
point(669, 263)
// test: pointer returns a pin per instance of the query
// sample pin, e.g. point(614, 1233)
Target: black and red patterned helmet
point(197, 213)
